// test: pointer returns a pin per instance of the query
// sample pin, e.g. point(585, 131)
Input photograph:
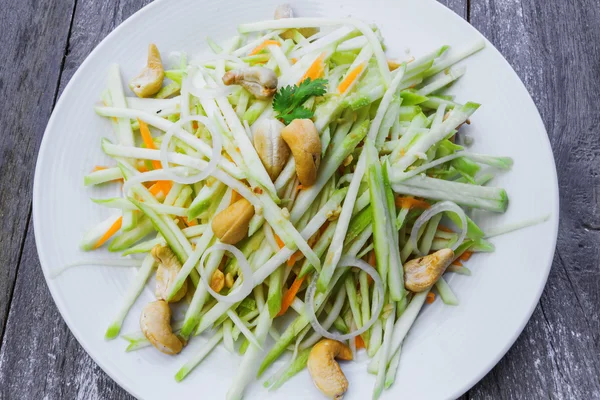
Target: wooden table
point(554, 45)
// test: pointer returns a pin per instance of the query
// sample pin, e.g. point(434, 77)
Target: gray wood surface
point(553, 45)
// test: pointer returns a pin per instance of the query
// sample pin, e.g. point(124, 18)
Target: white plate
point(448, 350)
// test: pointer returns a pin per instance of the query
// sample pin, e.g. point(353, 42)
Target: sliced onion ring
point(437, 208)
point(309, 307)
point(241, 292)
point(217, 145)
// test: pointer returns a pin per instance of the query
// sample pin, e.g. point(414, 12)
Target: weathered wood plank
point(553, 48)
point(32, 53)
point(51, 364)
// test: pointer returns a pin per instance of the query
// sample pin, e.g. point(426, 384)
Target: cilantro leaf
point(297, 113)
point(288, 100)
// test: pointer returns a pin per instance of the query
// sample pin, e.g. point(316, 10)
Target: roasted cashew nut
point(155, 323)
point(269, 145)
point(217, 281)
point(166, 273)
point(231, 224)
point(303, 140)
point(325, 371)
point(259, 81)
point(285, 11)
point(150, 80)
point(421, 273)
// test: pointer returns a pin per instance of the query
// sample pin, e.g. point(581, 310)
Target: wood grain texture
point(31, 51)
point(553, 47)
point(51, 364)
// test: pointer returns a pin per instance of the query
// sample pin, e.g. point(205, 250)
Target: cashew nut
point(150, 80)
point(325, 371)
point(271, 148)
point(303, 139)
point(260, 81)
point(156, 325)
point(421, 273)
point(285, 11)
point(166, 273)
point(231, 224)
point(217, 282)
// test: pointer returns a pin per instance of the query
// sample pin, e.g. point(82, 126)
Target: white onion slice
point(241, 292)
point(217, 145)
point(437, 208)
point(346, 261)
point(155, 175)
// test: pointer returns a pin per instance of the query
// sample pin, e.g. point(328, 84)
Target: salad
point(296, 184)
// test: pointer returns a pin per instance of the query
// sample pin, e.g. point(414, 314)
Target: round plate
point(449, 348)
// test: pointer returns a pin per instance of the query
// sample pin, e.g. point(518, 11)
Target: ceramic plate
point(449, 348)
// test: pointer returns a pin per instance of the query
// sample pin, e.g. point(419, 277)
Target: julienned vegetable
point(284, 160)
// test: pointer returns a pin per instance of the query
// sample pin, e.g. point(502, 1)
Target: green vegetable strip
point(351, 293)
point(335, 250)
point(248, 152)
point(449, 76)
point(429, 234)
point(385, 350)
point(390, 375)
point(401, 328)
point(132, 293)
point(245, 373)
point(381, 216)
point(127, 239)
point(457, 117)
point(453, 59)
point(204, 199)
point(396, 271)
point(102, 176)
point(198, 357)
point(297, 365)
point(319, 247)
point(446, 293)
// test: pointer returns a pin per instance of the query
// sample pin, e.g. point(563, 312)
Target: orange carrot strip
point(289, 295)
point(279, 241)
point(465, 256)
point(155, 189)
point(410, 202)
point(351, 77)
point(99, 168)
point(147, 138)
point(430, 297)
point(360, 343)
point(372, 258)
point(315, 70)
point(457, 263)
point(444, 228)
point(292, 260)
point(263, 45)
point(114, 228)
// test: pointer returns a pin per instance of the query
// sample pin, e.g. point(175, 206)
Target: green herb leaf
point(288, 100)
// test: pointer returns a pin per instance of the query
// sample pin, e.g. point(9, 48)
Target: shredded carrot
point(315, 70)
point(294, 60)
point(430, 297)
point(457, 263)
point(155, 189)
point(444, 228)
point(294, 258)
point(465, 256)
point(351, 77)
point(189, 222)
point(163, 186)
point(360, 343)
point(263, 45)
point(194, 125)
point(290, 294)
point(279, 241)
point(142, 169)
point(99, 168)
point(111, 231)
point(372, 258)
point(410, 202)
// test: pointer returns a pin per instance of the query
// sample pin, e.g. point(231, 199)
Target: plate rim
point(468, 384)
